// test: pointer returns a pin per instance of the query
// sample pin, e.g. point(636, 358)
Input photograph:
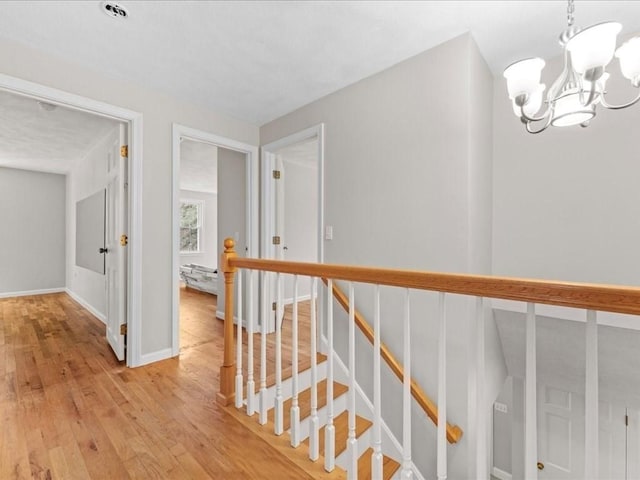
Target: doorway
point(236, 164)
point(292, 195)
point(126, 309)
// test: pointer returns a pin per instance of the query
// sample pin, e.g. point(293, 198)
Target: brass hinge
point(276, 240)
point(124, 151)
point(273, 306)
point(124, 240)
point(276, 174)
point(123, 329)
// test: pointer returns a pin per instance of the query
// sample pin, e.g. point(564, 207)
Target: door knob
point(540, 466)
point(103, 250)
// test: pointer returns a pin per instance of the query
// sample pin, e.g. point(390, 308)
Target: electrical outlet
point(500, 407)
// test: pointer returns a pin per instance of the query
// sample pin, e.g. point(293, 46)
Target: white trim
point(155, 356)
point(500, 474)
point(26, 293)
point(301, 298)
point(87, 306)
point(252, 215)
point(134, 121)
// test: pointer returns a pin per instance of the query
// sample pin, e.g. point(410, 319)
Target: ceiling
point(259, 60)
point(198, 166)
point(33, 138)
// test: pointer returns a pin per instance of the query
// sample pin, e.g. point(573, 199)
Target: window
point(190, 226)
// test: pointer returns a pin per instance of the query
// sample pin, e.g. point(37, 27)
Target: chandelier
point(573, 97)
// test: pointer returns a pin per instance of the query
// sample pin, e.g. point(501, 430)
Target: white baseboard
point(100, 316)
point(301, 298)
point(500, 474)
point(27, 293)
point(155, 356)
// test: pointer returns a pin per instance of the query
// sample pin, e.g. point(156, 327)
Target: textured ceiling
point(32, 138)
point(259, 60)
point(198, 167)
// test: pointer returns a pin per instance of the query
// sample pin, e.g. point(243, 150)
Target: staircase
point(340, 422)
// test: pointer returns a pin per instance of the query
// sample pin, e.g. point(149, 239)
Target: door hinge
point(124, 151)
point(123, 329)
point(276, 174)
point(124, 240)
point(626, 420)
point(276, 240)
point(273, 306)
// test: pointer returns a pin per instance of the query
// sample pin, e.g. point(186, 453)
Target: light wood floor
point(69, 410)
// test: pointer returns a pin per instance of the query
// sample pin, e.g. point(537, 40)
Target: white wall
point(32, 236)
point(208, 255)
point(159, 112)
point(232, 172)
point(405, 179)
point(88, 176)
point(566, 201)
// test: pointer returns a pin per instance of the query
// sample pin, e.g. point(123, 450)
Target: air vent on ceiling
point(115, 10)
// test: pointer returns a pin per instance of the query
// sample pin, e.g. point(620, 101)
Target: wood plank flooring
point(69, 410)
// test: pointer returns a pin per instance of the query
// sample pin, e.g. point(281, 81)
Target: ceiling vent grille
point(115, 10)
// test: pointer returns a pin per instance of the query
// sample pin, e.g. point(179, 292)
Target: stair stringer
point(364, 407)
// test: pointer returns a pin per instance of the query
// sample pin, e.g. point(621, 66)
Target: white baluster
point(352, 443)
point(329, 429)
point(279, 401)
point(314, 422)
point(481, 411)
point(591, 413)
point(239, 383)
point(530, 402)
point(295, 409)
point(376, 458)
point(263, 348)
point(407, 472)
point(442, 389)
point(251, 385)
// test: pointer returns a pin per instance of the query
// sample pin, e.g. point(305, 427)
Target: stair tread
point(287, 373)
point(304, 402)
point(389, 466)
point(341, 424)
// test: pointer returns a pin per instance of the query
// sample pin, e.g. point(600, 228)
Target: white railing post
point(531, 400)
point(295, 409)
point(278, 419)
point(482, 468)
point(251, 386)
point(239, 382)
point(591, 413)
point(376, 457)
point(263, 349)
point(352, 443)
point(442, 390)
point(314, 422)
point(407, 472)
point(329, 429)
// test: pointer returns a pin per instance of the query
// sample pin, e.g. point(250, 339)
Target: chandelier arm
point(604, 103)
point(545, 116)
point(590, 98)
point(528, 125)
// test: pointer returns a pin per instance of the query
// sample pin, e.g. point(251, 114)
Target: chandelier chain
point(570, 10)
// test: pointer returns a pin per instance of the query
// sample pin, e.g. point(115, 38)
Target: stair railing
point(589, 297)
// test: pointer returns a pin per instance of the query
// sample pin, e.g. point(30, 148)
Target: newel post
point(227, 370)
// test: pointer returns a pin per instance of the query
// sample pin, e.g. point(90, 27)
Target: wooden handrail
point(606, 298)
point(454, 432)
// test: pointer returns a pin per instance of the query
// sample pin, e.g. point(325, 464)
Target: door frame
point(268, 153)
point(268, 159)
point(133, 120)
point(252, 213)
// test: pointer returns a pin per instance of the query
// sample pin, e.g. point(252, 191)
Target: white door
point(116, 243)
point(560, 434)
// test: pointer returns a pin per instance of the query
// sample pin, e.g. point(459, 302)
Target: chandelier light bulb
point(523, 77)
point(629, 56)
point(594, 46)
